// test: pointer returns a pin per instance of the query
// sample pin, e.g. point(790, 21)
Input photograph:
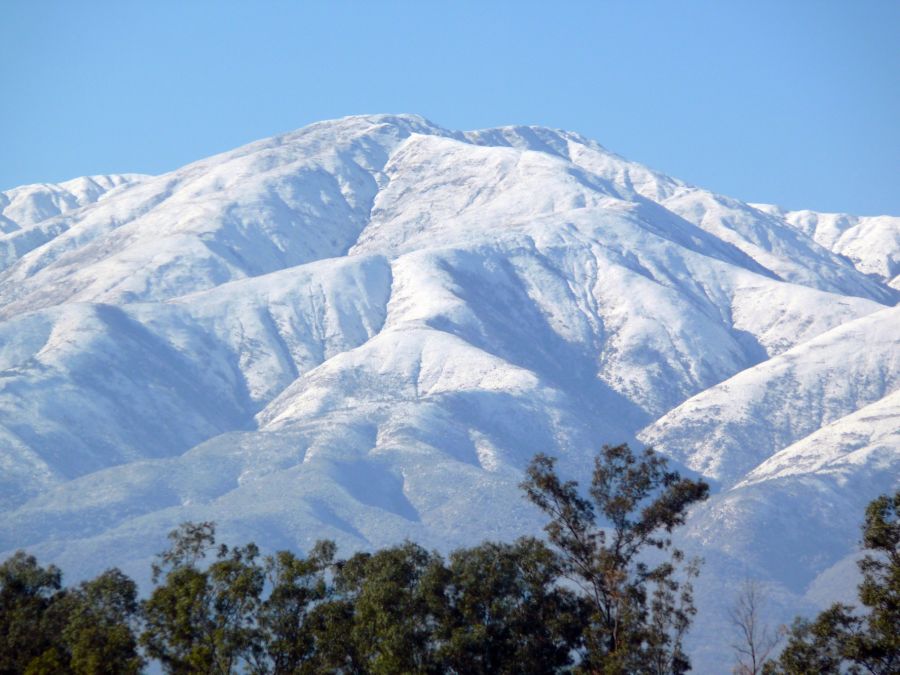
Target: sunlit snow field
point(364, 329)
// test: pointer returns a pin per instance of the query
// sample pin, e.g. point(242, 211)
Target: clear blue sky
point(792, 102)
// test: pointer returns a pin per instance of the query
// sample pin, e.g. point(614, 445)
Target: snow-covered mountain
point(364, 329)
point(871, 243)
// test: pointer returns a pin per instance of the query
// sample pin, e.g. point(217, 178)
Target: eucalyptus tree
point(615, 544)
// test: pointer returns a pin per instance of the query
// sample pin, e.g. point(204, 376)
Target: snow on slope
point(866, 438)
point(871, 242)
point(27, 213)
point(793, 522)
point(78, 385)
point(86, 386)
point(364, 329)
point(826, 478)
point(765, 234)
point(26, 206)
point(727, 430)
point(774, 244)
point(274, 204)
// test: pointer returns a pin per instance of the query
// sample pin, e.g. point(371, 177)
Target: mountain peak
point(364, 329)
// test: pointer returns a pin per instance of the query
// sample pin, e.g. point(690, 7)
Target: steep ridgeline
point(364, 329)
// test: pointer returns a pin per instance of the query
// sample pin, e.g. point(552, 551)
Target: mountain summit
point(364, 329)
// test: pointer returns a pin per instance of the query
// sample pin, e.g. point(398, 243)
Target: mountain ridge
point(364, 329)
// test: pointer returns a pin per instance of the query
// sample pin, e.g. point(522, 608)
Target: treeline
point(586, 600)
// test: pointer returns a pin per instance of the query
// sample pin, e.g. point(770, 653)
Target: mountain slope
point(727, 430)
point(24, 207)
point(111, 385)
point(268, 206)
point(364, 329)
point(28, 213)
point(872, 243)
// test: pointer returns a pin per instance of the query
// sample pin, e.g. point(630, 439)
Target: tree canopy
point(843, 640)
point(606, 592)
point(636, 586)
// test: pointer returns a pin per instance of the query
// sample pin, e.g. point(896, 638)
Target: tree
point(504, 611)
point(391, 617)
point(634, 582)
point(840, 640)
point(27, 631)
point(47, 629)
point(101, 618)
point(204, 620)
point(756, 641)
point(878, 647)
point(298, 586)
point(493, 608)
point(330, 623)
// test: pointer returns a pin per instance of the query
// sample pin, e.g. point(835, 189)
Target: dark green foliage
point(204, 620)
point(493, 608)
point(840, 640)
point(816, 647)
point(178, 627)
point(393, 600)
point(100, 626)
point(639, 610)
point(298, 585)
point(27, 630)
point(86, 630)
point(878, 647)
point(330, 625)
point(50, 662)
point(504, 611)
point(189, 545)
point(243, 613)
